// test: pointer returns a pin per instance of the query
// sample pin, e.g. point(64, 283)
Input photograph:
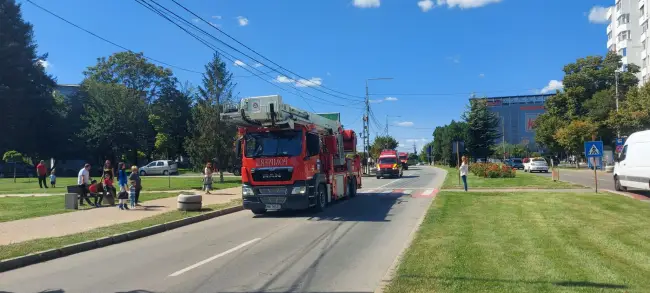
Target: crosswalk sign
point(593, 149)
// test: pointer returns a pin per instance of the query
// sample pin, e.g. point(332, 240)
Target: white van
point(632, 168)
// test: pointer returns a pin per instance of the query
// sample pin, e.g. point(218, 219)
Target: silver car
point(160, 167)
point(536, 165)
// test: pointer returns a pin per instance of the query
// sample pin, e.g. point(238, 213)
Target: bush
point(490, 170)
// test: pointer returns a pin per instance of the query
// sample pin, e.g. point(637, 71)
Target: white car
point(160, 167)
point(536, 165)
point(632, 168)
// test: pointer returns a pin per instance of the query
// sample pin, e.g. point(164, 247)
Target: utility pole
point(414, 151)
point(503, 136)
point(618, 132)
point(366, 131)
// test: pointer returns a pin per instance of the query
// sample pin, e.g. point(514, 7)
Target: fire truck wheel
point(259, 212)
point(378, 177)
point(321, 198)
point(352, 191)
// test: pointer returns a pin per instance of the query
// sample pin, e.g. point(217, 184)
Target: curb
point(43, 256)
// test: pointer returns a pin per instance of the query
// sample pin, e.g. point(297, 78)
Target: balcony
point(643, 19)
point(644, 53)
point(644, 71)
point(643, 36)
point(609, 28)
point(641, 3)
point(611, 42)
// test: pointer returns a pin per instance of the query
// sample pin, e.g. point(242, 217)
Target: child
point(94, 191)
point(207, 178)
point(132, 194)
point(108, 184)
point(53, 178)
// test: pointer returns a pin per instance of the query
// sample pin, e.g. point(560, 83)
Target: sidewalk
point(50, 194)
point(81, 221)
point(576, 190)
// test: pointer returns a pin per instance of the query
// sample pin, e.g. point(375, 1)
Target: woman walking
point(207, 178)
point(464, 168)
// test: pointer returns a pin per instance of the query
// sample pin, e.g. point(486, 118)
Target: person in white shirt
point(83, 180)
point(464, 169)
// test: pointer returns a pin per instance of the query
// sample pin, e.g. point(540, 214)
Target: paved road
point(347, 248)
point(586, 177)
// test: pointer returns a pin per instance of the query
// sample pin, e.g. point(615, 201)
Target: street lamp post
point(366, 122)
point(393, 116)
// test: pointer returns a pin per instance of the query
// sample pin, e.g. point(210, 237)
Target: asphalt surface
point(347, 248)
point(586, 177)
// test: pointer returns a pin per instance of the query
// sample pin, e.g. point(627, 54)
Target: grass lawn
point(32, 246)
point(26, 185)
point(529, 242)
point(521, 180)
point(16, 208)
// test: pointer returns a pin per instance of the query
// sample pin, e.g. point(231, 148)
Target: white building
point(626, 34)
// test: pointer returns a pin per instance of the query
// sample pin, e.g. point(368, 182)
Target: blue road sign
point(593, 149)
point(620, 142)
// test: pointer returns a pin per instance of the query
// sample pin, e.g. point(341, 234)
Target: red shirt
point(108, 182)
point(41, 170)
point(93, 188)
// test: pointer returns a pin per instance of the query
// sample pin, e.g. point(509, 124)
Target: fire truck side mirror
point(238, 148)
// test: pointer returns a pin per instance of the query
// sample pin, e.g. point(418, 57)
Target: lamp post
point(366, 121)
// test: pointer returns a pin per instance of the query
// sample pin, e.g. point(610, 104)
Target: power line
point(263, 57)
point(238, 51)
point(225, 55)
point(458, 94)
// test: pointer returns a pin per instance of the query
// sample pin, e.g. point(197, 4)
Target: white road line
point(427, 192)
point(388, 183)
point(407, 191)
point(198, 264)
point(387, 191)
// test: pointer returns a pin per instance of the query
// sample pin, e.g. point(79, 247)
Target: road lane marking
point(408, 191)
point(427, 192)
point(198, 264)
point(388, 183)
point(387, 191)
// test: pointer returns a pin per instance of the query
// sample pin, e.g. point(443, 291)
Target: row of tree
point(587, 107)
point(127, 108)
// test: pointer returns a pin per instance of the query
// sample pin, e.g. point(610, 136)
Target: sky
point(437, 52)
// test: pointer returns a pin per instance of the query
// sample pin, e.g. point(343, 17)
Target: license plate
point(273, 206)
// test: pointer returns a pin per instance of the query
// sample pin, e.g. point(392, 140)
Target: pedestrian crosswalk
point(415, 193)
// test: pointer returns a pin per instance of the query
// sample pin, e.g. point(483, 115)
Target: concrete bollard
point(189, 202)
point(71, 201)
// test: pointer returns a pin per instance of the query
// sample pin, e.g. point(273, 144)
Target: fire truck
point(293, 159)
point(389, 165)
point(404, 159)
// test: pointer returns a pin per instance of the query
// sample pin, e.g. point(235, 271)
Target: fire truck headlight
point(395, 166)
point(299, 190)
point(247, 191)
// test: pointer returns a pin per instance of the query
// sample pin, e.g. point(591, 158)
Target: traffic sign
point(620, 142)
point(593, 149)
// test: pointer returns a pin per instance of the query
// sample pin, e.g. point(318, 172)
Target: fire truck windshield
point(387, 161)
point(286, 143)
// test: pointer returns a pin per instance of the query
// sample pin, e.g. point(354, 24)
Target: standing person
point(135, 177)
point(464, 169)
point(108, 169)
point(83, 180)
point(132, 190)
point(121, 177)
point(53, 178)
point(41, 171)
point(207, 178)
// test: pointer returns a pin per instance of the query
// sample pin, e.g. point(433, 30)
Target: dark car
point(515, 163)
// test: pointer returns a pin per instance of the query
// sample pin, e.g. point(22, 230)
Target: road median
point(30, 252)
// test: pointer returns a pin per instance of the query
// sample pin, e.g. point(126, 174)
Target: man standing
point(83, 180)
point(41, 171)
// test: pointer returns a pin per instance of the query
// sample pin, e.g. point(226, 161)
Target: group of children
point(133, 187)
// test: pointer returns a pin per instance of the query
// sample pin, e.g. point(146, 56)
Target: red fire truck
point(293, 159)
point(389, 165)
point(404, 159)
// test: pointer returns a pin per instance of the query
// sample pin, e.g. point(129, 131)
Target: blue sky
point(446, 48)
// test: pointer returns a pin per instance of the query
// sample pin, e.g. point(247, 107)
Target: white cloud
point(243, 21)
point(482, 75)
point(256, 65)
point(425, 5)
point(411, 140)
point(552, 86)
point(314, 81)
point(216, 16)
point(366, 3)
point(375, 101)
point(463, 4)
point(240, 63)
point(44, 63)
point(214, 24)
point(405, 123)
point(598, 14)
point(195, 20)
point(283, 79)
point(454, 59)
point(390, 99)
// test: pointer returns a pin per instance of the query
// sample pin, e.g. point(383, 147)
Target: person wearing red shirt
point(41, 171)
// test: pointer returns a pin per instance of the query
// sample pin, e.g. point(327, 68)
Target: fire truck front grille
point(273, 200)
point(272, 175)
point(272, 190)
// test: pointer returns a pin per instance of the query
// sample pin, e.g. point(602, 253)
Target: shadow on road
point(373, 207)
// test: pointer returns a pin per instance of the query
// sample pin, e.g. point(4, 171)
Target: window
point(624, 35)
point(622, 52)
point(160, 164)
point(641, 10)
point(609, 35)
point(618, 5)
point(644, 26)
point(623, 19)
point(643, 45)
point(387, 160)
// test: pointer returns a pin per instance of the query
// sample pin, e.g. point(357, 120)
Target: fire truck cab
point(293, 159)
point(388, 165)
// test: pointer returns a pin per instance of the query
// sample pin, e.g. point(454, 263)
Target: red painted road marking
point(426, 194)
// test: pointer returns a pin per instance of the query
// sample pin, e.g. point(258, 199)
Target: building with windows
point(517, 115)
point(627, 34)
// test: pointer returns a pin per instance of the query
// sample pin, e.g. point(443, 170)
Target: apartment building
point(627, 34)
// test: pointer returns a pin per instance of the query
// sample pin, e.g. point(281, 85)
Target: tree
point(210, 138)
point(382, 143)
point(26, 101)
point(424, 153)
point(443, 140)
point(634, 112)
point(169, 117)
point(482, 129)
point(13, 157)
point(573, 136)
point(116, 120)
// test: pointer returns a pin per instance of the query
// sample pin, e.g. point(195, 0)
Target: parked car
point(160, 167)
point(632, 167)
point(536, 165)
point(22, 170)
